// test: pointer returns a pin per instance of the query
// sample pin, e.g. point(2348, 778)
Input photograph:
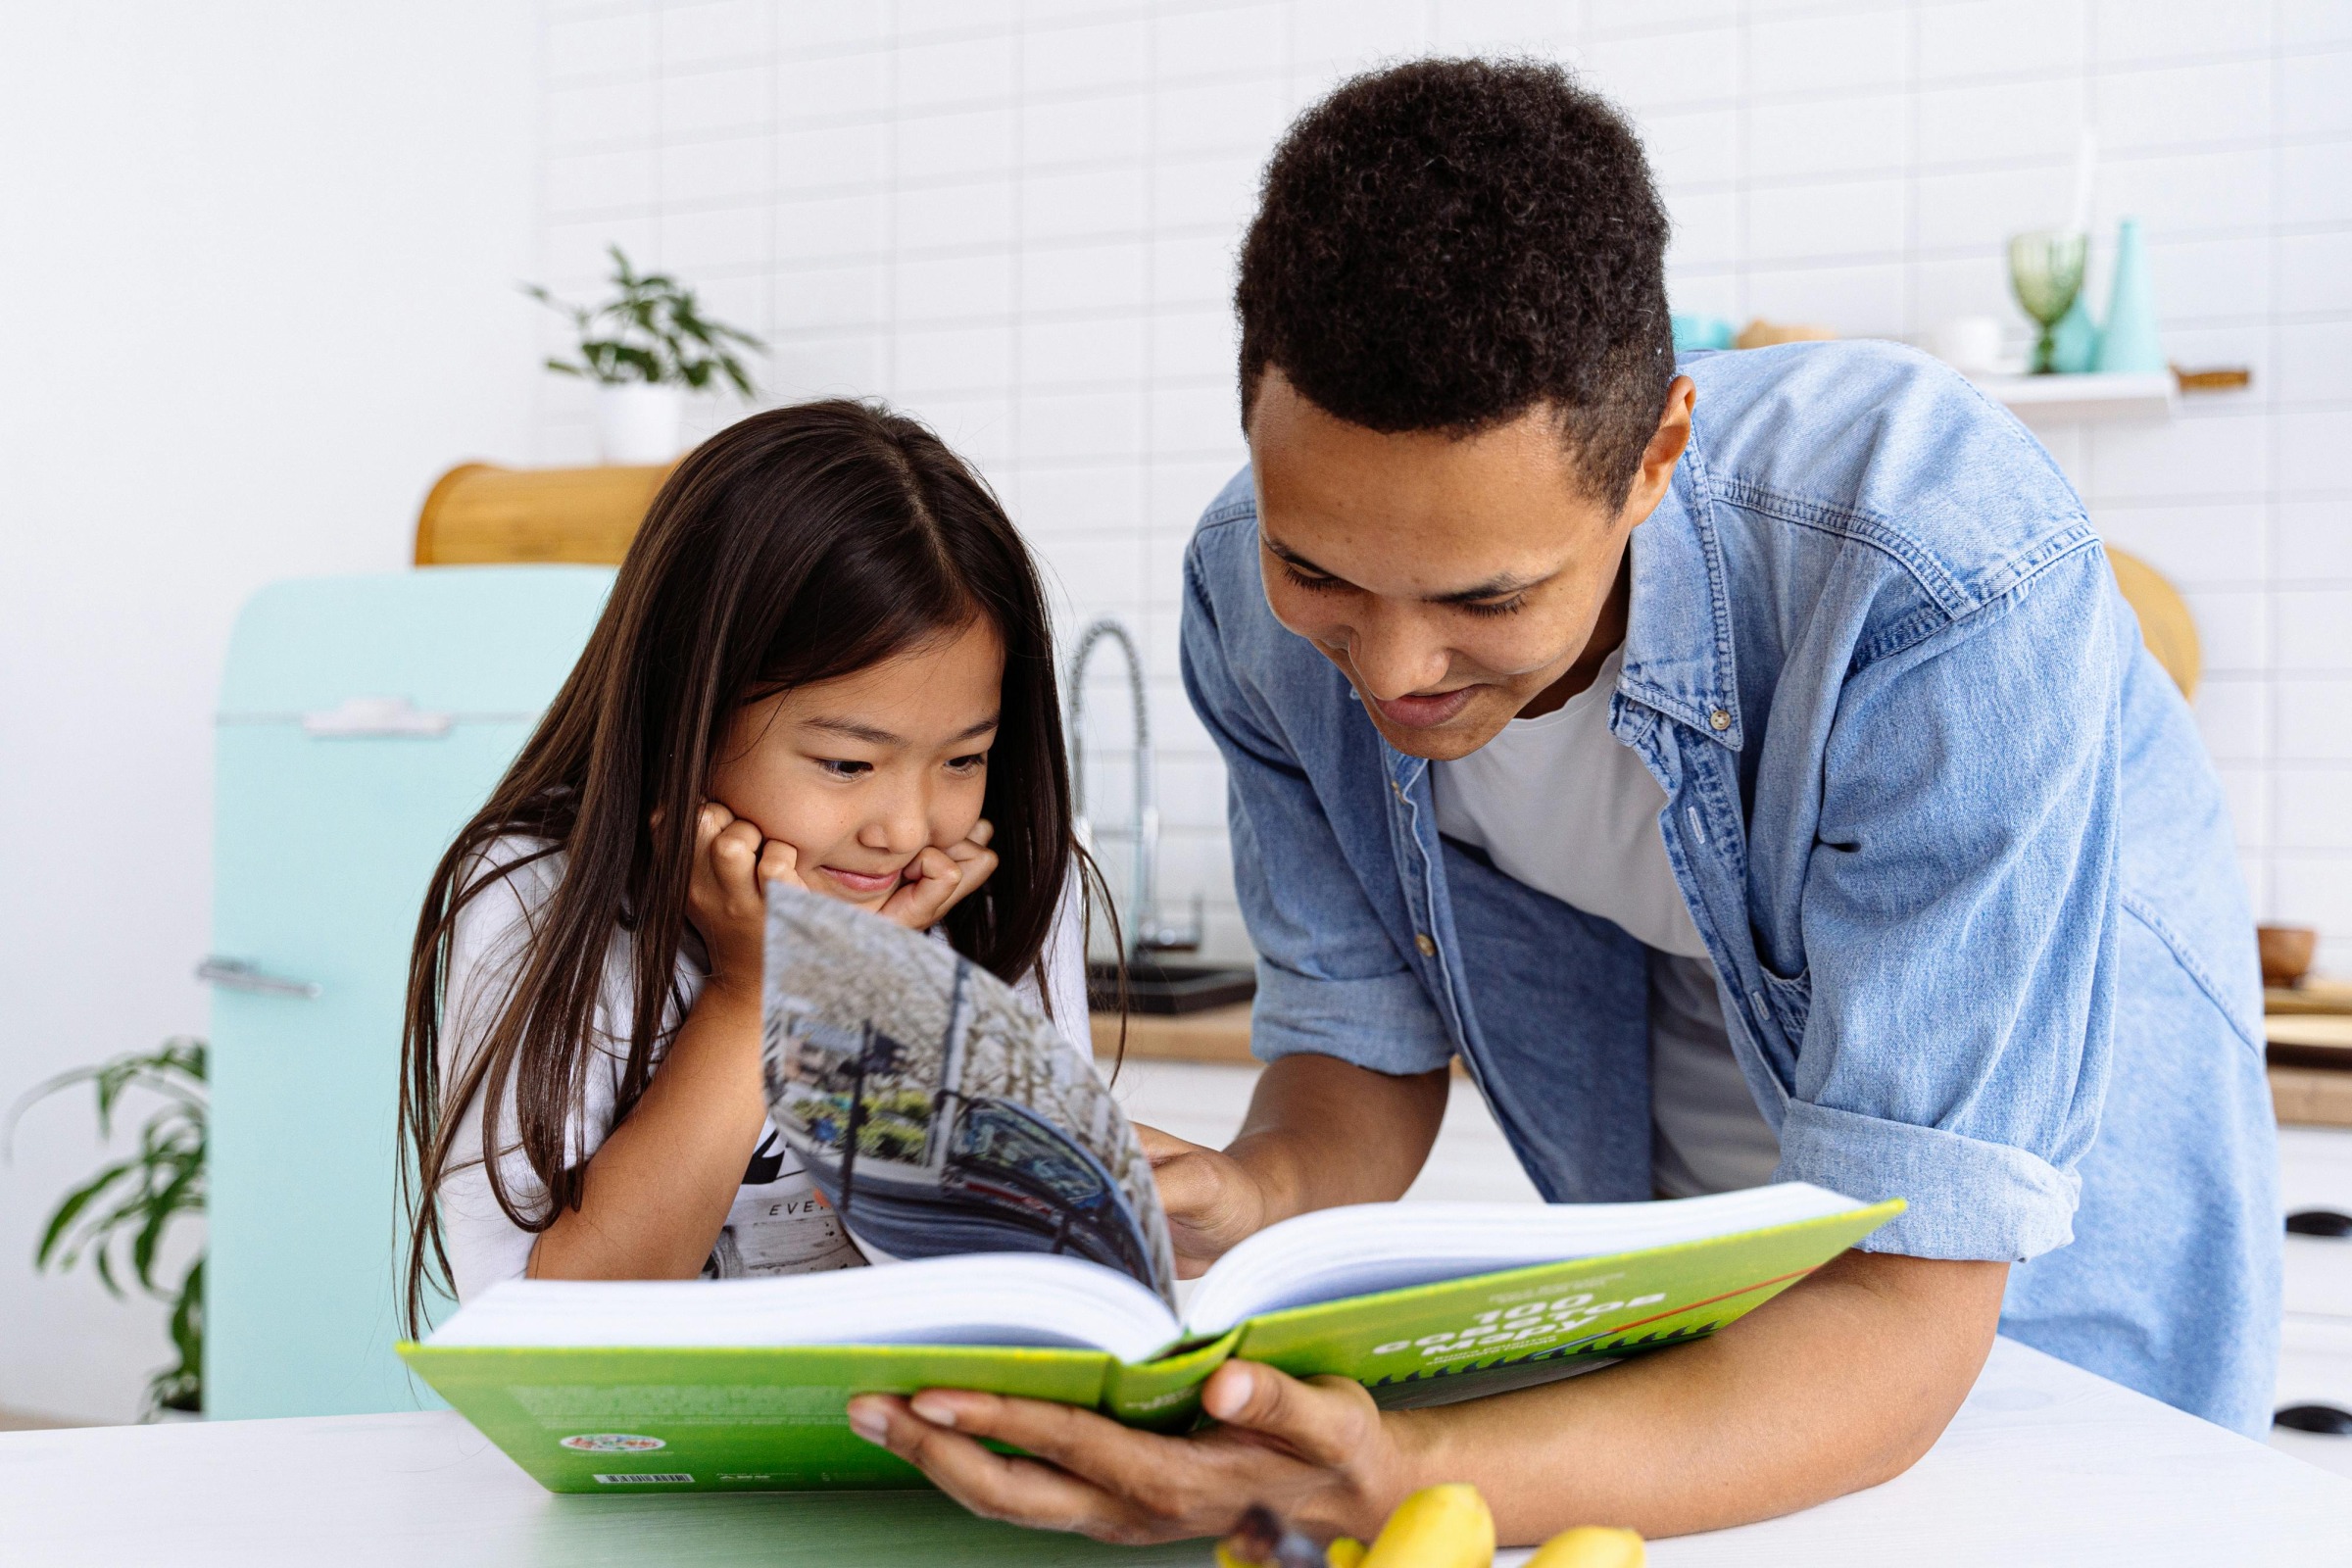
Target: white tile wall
point(1018, 221)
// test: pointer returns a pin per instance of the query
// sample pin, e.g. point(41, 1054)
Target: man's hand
point(1319, 1133)
point(1211, 1199)
point(1318, 1453)
point(941, 879)
point(1841, 1382)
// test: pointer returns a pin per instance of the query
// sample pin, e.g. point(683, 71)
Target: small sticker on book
point(613, 1443)
point(649, 1478)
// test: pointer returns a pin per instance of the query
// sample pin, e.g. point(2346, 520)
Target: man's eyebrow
point(1501, 587)
point(1498, 587)
point(1284, 552)
point(875, 735)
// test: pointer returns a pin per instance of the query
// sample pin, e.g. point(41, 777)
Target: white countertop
point(2044, 1464)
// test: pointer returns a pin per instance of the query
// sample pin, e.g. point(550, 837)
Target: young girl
point(826, 663)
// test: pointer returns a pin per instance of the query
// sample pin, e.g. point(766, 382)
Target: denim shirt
point(1945, 827)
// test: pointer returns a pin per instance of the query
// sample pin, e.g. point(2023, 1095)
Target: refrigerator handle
point(360, 717)
point(237, 974)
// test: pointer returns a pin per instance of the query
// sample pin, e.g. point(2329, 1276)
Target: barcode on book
point(648, 1478)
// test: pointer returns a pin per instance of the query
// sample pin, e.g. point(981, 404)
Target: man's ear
point(1665, 450)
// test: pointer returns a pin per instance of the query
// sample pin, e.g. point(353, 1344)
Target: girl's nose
point(900, 823)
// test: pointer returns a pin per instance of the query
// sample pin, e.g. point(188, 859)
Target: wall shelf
point(2040, 399)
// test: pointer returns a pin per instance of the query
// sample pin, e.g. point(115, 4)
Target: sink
point(1168, 989)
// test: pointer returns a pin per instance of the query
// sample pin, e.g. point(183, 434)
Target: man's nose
point(1395, 653)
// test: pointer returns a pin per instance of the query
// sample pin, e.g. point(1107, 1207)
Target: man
point(1750, 773)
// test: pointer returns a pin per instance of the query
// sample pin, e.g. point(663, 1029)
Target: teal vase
point(2074, 340)
point(1701, 331)
point(2129, 343)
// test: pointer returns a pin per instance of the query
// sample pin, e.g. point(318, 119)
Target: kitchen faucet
point(1147, 934)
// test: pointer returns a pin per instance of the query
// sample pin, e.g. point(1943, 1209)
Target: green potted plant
point(645, 348)
point(122, 1218)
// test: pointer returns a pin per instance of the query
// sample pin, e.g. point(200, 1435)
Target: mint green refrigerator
point(362, 721)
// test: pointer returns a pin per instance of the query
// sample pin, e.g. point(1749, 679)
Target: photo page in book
point(938, 1112)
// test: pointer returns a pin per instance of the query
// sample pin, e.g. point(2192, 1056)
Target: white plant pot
point(637, 422)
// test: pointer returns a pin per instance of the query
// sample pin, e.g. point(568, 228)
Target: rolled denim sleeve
point(1960, 920)
point(1331, 980)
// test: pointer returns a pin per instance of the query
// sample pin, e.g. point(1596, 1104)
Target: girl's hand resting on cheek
point(728, 898)
point(734, 863)
point(940, 879)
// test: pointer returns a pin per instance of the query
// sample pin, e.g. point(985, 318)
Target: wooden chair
point(481, 515)
point(2165, 623)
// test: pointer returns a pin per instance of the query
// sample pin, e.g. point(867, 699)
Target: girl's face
point(860, 774)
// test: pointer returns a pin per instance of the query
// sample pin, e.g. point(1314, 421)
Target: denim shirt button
point(1426, 943)
point(1396, 789)
point(1720, 719)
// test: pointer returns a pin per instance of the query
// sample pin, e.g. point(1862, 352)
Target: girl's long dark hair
point(798, 545)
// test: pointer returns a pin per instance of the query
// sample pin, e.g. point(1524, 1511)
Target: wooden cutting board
point(2312, 996)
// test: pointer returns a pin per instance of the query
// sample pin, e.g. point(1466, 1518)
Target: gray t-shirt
point(1558, 803)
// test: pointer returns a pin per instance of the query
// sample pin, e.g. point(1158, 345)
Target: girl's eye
point(1496, 607)
point(968, 765)
point(838, 768)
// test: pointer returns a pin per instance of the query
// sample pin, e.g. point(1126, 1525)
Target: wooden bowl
point(2285, 953)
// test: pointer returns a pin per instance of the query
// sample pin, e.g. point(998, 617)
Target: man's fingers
point(991, 1485)
point(1192, 1188)
point(1111, 1458)
point(1159, 1146)
point(1209, 1200)
point(1326, 1422)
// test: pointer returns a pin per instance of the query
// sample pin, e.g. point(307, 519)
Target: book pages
point(936, 1111)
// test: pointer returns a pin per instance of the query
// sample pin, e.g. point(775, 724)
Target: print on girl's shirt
point(779, 1222)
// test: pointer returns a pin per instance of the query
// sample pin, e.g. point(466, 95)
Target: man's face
point(1451, 581)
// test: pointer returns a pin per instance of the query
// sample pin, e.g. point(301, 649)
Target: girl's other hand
point(727, 899)
point(941, 879)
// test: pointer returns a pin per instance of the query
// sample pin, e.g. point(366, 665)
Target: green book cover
point(772, 1418)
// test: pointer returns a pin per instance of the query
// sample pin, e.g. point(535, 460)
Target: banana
point(1345, 1552)
point(1592, 1546)
point(1438, 1527)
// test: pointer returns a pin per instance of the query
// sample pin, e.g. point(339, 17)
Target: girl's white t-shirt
point(779, 1222)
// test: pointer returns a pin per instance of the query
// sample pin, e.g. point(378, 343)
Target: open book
point(959, 1133)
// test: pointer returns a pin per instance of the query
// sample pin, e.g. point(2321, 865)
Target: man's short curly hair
point(1447, 244)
